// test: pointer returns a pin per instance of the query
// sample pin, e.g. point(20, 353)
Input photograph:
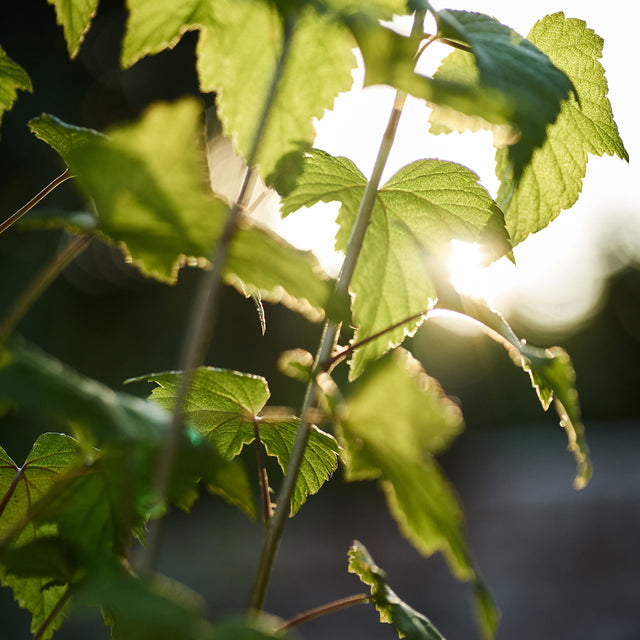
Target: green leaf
point(52, 456)
point(516, 67)
point(416, 214)
point(148, 186)
point(392, 426)
point(224, 406)
point(114, 492)
point(238, 49)
point(41, 384)
point(552, 376)
point(145, 610)
point(553, 180)
point(74, 16)
point(407, 621)
point(12, 78)
point(390, 59)
point(63, 138)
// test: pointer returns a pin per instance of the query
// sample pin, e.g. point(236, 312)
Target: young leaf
point(407, 621)
point(238, 49)
point(63, 138)
point(51, 457)
point(420, 209)
point(74, 16)
point(552, 376)
point(394, 423)
point(223, 406)
point(12, 78)
point(508, 63)
point(553, 180)
point(147, 183)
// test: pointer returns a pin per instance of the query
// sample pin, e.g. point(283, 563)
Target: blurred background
point(561, 563)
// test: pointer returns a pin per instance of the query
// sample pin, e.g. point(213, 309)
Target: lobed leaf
point(416, 213)
point(53, 455)
point(74, 16)
point(12, 79)
point(63, 138)
point(237, 53)
point(552, 376)
point(585, 125)
point(112, 497)
point(224, 405)
point(407, 621)
point(394, 423)
point(147, 184)
point(514, 66)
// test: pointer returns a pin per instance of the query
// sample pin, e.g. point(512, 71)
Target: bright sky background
point(559, 277)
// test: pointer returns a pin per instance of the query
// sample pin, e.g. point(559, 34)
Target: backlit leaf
point(12, 78)
point(63, 138)
point(147, 182)
point(514, 66)
point(407, 621)
point(52, 456)
point(393, 424)
point(416, 214)
point(239, 45)
point(74, 16)
point(390, 59)
point(552, 375)
point(224, 405)
point(553, 180)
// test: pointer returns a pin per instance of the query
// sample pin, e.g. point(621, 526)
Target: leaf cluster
point(70, 512)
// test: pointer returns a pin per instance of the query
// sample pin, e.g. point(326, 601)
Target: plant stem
point(267, 506)
point(343, 353)
point(330, 607)
point(65, 175)
point(54, 612)
point(202, 318)
point(42, 280)
point(273, 534)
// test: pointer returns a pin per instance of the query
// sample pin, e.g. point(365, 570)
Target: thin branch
point(267, 506)
point(65, 175)
point(202, 319)
point(54, 612)
point(42, 280)
point(323, 610)
point(273, 534)
point(452, 43)
point(346, 351)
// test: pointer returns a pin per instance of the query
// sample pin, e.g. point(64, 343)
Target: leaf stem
point(322, 610)
point(65, 175)
point(273, 533)
point(42, 280)
point(202, 318)
point(267, 506)
point(54, 612)
point(346, 351)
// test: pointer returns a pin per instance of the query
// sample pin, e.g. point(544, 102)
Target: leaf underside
point(407, 621)
point(416, 214)
point(148, 187)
